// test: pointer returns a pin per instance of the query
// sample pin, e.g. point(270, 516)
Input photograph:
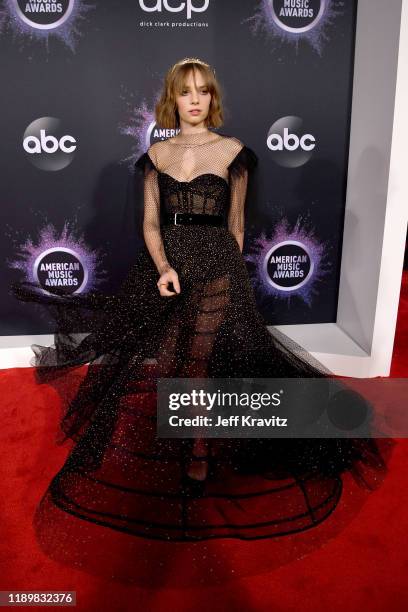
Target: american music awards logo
point(59, 263)
point(288, 265)
point(293, 21)
point(290, 262)
point(42, 19)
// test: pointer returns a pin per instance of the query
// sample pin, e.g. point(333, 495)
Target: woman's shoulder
point(234, 143)
point(236, 154)
point(154, 149)
point(149, 159)
point(241, 156)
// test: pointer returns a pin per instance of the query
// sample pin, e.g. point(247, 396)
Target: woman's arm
point(236, 214)
point(151, 215)
point(244, 162)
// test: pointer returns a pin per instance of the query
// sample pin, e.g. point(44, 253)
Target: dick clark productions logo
point(171, 7)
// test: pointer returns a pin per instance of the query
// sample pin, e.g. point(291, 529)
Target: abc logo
point(290, 147)
point(160, 4)
point(290, 142)
point(47, 146)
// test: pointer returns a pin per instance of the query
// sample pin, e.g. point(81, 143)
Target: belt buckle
point(175, 218)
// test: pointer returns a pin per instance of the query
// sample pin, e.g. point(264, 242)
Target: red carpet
point(356, 560)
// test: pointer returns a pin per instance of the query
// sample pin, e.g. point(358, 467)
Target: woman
point(187, 302)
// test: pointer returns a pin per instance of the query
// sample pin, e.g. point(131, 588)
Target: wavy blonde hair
point(166, 112)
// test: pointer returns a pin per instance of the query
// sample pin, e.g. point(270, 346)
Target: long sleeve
point(240, 167)
point(151, 211)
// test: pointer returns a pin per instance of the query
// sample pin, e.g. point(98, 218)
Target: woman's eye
point(184, 92)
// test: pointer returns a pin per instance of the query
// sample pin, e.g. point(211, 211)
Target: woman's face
point(194, 96)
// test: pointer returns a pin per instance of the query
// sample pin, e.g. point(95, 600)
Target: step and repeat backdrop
point(79, 81)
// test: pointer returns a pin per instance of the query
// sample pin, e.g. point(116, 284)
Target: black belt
point(182, 218)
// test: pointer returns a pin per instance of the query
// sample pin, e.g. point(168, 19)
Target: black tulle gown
point(118, 473)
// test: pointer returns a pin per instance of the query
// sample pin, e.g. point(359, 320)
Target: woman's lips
point(195, 112)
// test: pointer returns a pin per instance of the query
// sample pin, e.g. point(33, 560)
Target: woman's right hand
point(170, 276)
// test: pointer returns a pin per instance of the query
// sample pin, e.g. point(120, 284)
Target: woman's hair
point(166, 112)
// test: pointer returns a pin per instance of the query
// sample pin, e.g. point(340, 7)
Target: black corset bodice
point(188, 176)
point(205, 194)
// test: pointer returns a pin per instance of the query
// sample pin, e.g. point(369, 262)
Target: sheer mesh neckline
point(195, 139)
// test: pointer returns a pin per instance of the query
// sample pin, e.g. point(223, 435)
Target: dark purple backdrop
point(100, 72)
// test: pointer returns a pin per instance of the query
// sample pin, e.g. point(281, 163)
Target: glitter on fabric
point(118, 473)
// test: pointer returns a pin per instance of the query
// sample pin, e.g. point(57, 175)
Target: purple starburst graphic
point(49, 238)
point(139, 126)
point(299, 235)
point(67, 30)
point(266, 22)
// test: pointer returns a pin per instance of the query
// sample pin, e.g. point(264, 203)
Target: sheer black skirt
point(119, 473)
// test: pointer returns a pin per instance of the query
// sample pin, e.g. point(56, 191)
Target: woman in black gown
point(188, 307)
